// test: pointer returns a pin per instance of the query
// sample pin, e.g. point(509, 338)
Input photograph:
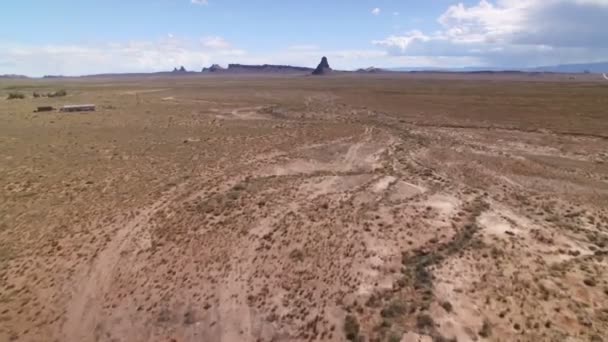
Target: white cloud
point(136, 56)
point(376, 11)
point(352, 59)
point(170, 51)
point(513, 32)
point(199, 2)
point(215, 43)
point(402, 43)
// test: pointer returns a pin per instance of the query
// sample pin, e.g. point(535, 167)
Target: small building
point(78, 108)
point(45, 109)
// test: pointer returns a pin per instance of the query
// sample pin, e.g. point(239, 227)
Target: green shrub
point(394, 337)
point(394, 309)
point(58, 93)
point(351, 328)
point(447, 306)
point(424, 321)
point(12, 96)
point(486, 329)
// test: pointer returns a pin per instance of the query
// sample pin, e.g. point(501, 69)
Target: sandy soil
point(298, 209)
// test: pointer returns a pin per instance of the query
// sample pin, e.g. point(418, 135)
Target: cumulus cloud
point(136, 56)
point(376, 11)
point(351, 59)
point(171, 51)
point(513, 32)
point(215, 43)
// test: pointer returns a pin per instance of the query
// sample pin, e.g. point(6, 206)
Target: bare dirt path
point(84, 309)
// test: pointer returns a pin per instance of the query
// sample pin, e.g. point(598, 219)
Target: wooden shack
point(78, 108)
point(45, 109)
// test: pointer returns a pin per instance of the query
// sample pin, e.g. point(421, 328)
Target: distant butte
point(323, 68)
point(265, 68)
point(213, 68)
point(370, 70)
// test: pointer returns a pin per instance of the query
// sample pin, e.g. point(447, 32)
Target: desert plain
point(389, 207)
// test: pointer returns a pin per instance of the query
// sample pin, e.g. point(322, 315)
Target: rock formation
point(213, 68)
point(13, 76)
point(370, 70)
point(323, 68)
point(180, 70)
point(258, 69)
point(266, 68)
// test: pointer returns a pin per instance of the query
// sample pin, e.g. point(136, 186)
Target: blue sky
point(75, 37)
point(274, 23)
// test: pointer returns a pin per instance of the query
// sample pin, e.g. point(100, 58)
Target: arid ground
point(293, 208)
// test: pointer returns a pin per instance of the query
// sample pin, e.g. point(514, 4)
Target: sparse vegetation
point(189, 318)
point(394, 337)
point(395, 308)
point(58, 93)
point(15, 96)
point(486, 329)
point(425, 322)
point(447, 306)
point(282, 214)
point(297, 255)
point(351, 328)
point(233, 195)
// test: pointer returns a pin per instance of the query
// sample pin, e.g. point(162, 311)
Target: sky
point(76, 37)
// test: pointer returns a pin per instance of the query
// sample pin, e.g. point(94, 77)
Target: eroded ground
point(212, 209)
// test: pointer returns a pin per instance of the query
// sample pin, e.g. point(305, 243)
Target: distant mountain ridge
point(323, 68)
point(264, 68)
point(600, 67)
point(371, 70)
point(13, 76)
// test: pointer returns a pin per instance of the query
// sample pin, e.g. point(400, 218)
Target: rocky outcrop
point(371, 70)
point(181, 70)
point(258, 69)
point(14, 76)
point(323, 68)
point(214, 68)
point(267, 68)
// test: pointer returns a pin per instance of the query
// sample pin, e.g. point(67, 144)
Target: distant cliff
point(13, 76)
point(213, 68)
point(265, 68)
point(371, 70)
